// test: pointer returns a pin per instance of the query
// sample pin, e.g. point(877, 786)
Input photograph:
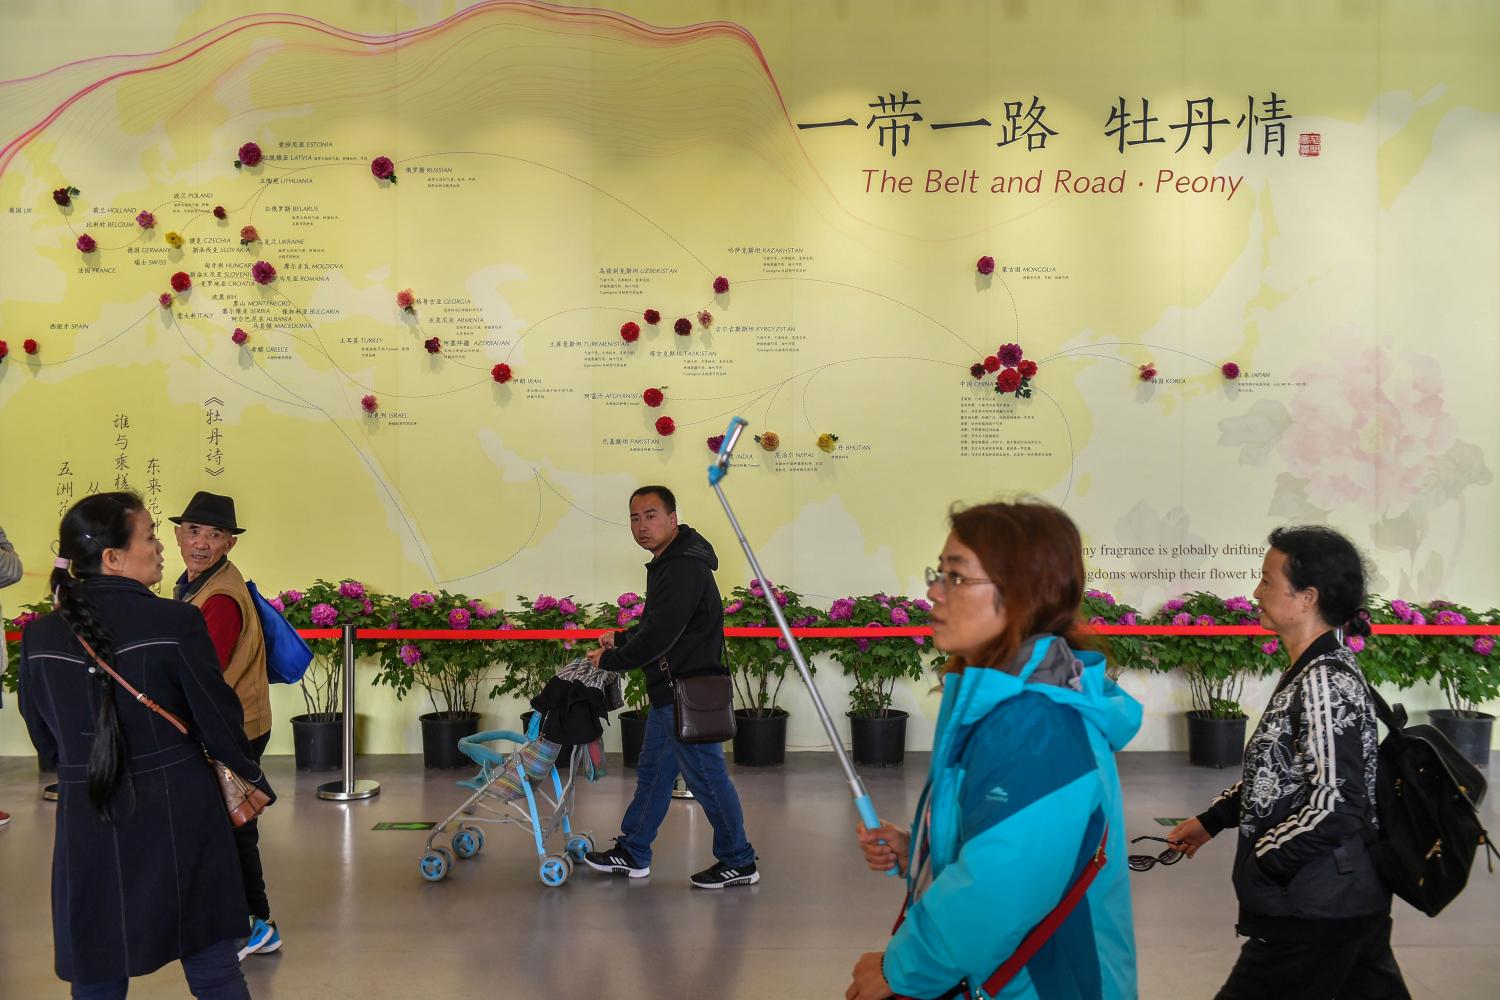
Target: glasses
point(946, 581)
point(1146, 862)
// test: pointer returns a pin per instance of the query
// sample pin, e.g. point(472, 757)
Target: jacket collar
point(184, 591)
point(102, 582)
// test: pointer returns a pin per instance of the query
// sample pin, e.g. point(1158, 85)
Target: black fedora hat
point(212, 510)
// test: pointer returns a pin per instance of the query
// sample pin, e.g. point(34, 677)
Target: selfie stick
point(716, 474)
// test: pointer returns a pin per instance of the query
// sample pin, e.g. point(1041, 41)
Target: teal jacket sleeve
point(1030, 788)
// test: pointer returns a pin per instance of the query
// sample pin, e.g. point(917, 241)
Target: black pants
point(1353, 963)
point(247, 841)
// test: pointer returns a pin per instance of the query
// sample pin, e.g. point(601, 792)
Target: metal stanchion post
point(348, 788)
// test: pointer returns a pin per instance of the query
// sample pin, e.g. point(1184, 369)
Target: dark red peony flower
point(219, 212)
point(986, 265)
point(165, 298)
point(181, 281)
point(977, 369)
point(86, 244)
point(715, 443)
point(1027, 368)
point(501, 373)
point(239, 336)
point(1010, 355)
point(683, 326)
point(665, 426)
point(249, 155)
point(263, 272)
point(30, 346)
point(62, 197)
point(1230, 369)
point(383, 168)
point(1009, 380)
point(369, 403)
point(991, 364)
point(651, 316)
point(433, 345)
point(721, 285)
point(4, 350)
point(1148, 373)
point(630, 332)
point(652, 397)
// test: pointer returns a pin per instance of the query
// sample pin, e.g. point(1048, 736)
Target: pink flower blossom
point(1182, 619)
point(924, 606)
point(782, 644)
point(842, 609)
point(1484, 645)
point(239, 336)
point(567, 607)
point(985, 265)
point(291, 596)
point(263, 272)
point(623, 617)
point(324, 615)
point(86, 244)
point(422, 600)
point(410, 655)
point(1417, 618)
point(1450, 618)
point(1129, 618)
point(458, 618)
point(628, 598)
point(1230, 369)
point(1174, 605)
point(26, 618)
point(249, 155)
point(275, 602)
point(351, 588)
point(920, 640)
point(1270, 648)
point(721, 285)
point(1101, 595)
point(1241, 604)
point(383, 169)
point(146, 220)
point(369, 403)
point(544, 602)
point(900, 617)
point(366, 607)
point(705, 318)
point(1203, 620)
point(1355, 643)
point(1098, 620)
point(1010, 355)
point(1401, 610)
point(734, 607)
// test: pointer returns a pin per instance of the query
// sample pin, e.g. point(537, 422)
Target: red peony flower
point(986, 265)
point(406, 300)
point(651, 316)
point(991, 364)
point(433, 345)
point(63, 196)
point(1009, 380)
point(146, 220)
point(715, 443)
point(501, 373)
point(86, 244)
point(721, 285)
point(977, 369)
point(4, 350)
point(630, 332)
point(181, 281)
point(239, 336)
point(219, 212)
point(1148, 372)
point(263, 272)
point(1027, 368)
point(383, 169)
point(369, 403)
point(248, 235)
point(165, 299)
point(1230, 369)
point(705, 318)
point(665, 426)
point(683, 326)
point(653, 397)
point(249, 155)
point(30, 346)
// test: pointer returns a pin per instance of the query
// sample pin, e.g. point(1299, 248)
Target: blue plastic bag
point(287, 655)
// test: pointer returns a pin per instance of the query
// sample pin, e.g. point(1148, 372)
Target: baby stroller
point(513, 787)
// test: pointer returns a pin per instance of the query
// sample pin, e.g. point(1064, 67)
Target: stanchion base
point(364, 788)
point(680, 789)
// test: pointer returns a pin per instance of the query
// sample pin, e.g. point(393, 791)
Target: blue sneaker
point(264, 939)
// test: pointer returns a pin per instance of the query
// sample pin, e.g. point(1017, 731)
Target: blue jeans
point(212, 974)
point(702, 766)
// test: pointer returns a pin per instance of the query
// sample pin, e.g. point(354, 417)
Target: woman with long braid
point(144, 868)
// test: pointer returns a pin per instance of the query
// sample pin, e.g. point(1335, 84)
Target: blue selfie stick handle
point(720, 468)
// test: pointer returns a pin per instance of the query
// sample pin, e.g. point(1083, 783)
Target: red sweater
point(222, 616)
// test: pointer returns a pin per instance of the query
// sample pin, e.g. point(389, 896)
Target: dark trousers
point(1352, 963)
point(247, 842)
point(212, 974)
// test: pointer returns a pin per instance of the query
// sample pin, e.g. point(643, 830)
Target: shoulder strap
point(137, 695)
point(1394, 718)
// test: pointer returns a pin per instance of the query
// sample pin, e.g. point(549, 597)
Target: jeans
point(702, 766)
point(247, 843)
point(1350, 962)
point(212, 974)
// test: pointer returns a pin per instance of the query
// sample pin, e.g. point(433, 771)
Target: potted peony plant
point(878, 731)
point(621, 615)
point(758, 668)
point(1469, 673)
point(1124, 652)
point(531, 664)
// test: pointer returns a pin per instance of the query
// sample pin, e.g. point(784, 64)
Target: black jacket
point(1305, 807)
point(164, 880)
point(683, 623)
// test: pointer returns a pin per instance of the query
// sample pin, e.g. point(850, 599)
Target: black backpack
point(1427, 797)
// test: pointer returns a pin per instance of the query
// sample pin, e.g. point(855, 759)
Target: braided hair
point(93, 524)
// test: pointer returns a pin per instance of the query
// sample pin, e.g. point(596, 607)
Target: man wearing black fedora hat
point(206, 532)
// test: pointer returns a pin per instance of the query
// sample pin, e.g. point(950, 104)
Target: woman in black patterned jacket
point(1316, 914)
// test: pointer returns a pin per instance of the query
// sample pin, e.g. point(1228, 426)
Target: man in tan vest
point(206, 532)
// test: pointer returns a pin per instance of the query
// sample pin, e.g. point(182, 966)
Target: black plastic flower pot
point(1468, 731)
point(633, 734)
point(879, 740)
point(318, 741)
point(441, 732)
point(564, 750)
point(1215, 742)
point(760, 740)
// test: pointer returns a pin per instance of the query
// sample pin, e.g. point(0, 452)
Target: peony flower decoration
point(249, 155)
point(146, 220)
point(370, 403)
point(1027, 368)
point(991, 364)
point(433, 345)
point(30, 346)
point(652, 397)
point(407, 300)
point(422, 599)
point(769, 440)
point(410, 655)
point(459, 618)
point(263, 272)
point(651, 316)
point(985, 265)
point(705, 318)
point(1148, 372)
point(1231, 370)
point(324, 615)
point(1484, 645)
point(239, 336)
point(501, 373)
point(1270, 648)
point(715, 443)
point(248, 235)
point(174, 240)
point(86, 244)
point(1010, 355)
point(165, 299)
point(683, 327)
point(665, 426)
point(181, 281)
point(383, 169)
point(977, 369)
point(64, 195)
point(721, 285)
point(5, 350)
point(630, 332)
point(291, 597)
point(1009, 380)
point(1356, 643)
point(827, 442)
point(219, 213)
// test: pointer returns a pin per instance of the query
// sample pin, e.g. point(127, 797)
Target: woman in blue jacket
point(1023, 787)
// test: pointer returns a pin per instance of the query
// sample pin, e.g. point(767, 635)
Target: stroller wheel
point(580, 845)
point(467, 841)
point(554, 870)
point(434, 866)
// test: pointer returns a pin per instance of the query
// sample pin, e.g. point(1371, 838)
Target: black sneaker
point(721, 875)
point(616, 861)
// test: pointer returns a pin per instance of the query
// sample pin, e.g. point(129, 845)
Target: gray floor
point(359, 921)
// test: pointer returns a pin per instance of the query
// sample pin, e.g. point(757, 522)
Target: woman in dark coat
point(144, 869)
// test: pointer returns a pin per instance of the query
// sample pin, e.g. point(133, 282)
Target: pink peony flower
point(1450, 618)
point(263, 272)
point(1356, 643)
point(410, 655)
point(1203, 620)
point(146, 220)
point(1484, 645)
point(985, 265)
point(219, 212)
point(249, 155)
point(1230, 369)
point(924, 606)
point(1182, 619)
point(1402, 610)
point(665, 426)
point(1010, 355)
point(628, 599)
point(721, 285)
point(1101, 595)
point(324, 615)
point(383, 169)
point(920, 640)
point(900, 617)
point(366, 607)
point(370, 403)
point(1270, 648)
point(705, 318)
point(407, 300)
point(458, 618)
point(1240, 604)
point(1148, 373)
point(623, 617)
point(351, 588)
point(422, 600)
point(1417, 618)
point(165, 300)
point(567, 607)
point(275, 602)
point(291, 596)
point(1174, 605)
point(651, 316)
point(1098, 620)
point(1129, 618)
point(842, 609)
point(734, 607)
point(544, 602)
point(86, 244)
point(239, 336)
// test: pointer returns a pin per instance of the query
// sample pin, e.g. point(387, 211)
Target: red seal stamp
point(1309, 144)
